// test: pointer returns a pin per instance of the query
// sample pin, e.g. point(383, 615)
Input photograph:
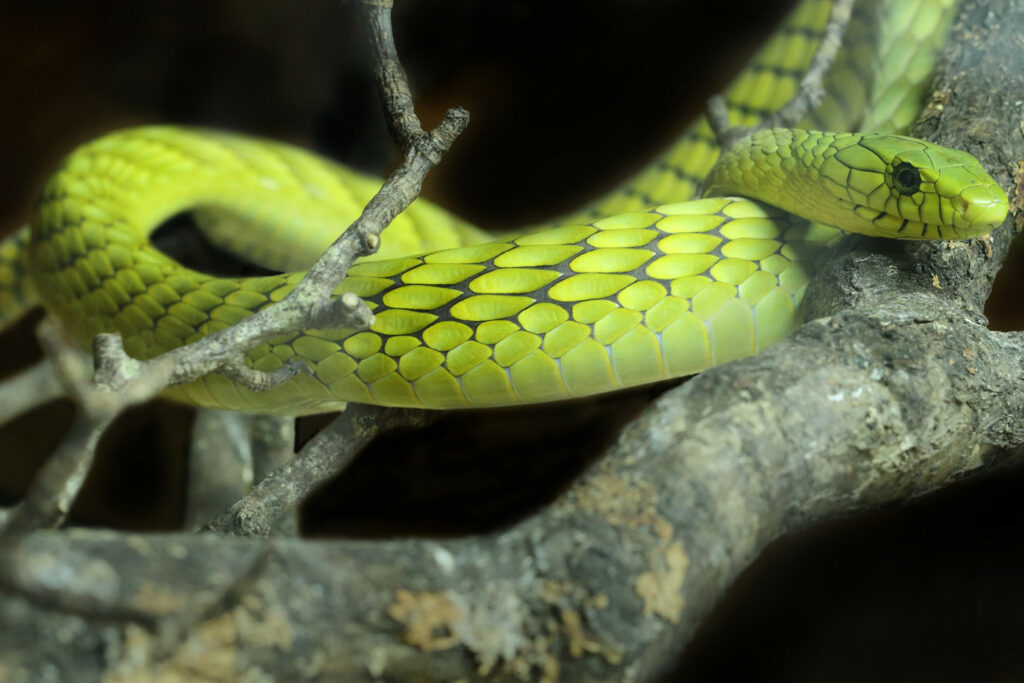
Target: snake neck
point(790, 168)
point(780, 166)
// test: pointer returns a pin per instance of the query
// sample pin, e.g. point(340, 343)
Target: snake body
point(638, 287)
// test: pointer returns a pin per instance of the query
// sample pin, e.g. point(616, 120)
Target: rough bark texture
point(895, 388)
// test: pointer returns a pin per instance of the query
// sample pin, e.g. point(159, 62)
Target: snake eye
point(907, 178)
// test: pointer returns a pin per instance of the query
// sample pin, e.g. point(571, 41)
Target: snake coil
point(642, 285)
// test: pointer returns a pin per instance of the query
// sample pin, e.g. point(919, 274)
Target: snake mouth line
point(899, 227)
point(908, 228)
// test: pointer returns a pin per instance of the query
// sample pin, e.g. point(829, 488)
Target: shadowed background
point(566, 99)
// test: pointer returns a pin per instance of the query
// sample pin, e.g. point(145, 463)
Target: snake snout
point(982, 206)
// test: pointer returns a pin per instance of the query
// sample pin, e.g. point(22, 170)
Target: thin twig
point(323, 458)
point(334, 448)
point(54, 489)
point(28, 389)
point(229, 452)
point(808, 96)
point(312, 303)
point(220, 467)
point(49, 498)
point(120, 380)
point(273, 446)
point(392, 83)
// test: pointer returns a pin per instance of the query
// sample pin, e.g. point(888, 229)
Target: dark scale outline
point(542, 294)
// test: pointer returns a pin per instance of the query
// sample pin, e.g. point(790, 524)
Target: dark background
point(566, 99)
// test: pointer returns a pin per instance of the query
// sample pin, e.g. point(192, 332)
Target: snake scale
point(644, 284)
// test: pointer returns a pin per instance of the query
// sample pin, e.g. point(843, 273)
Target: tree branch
point(312, 303)
point(220, 464)
point(121, 381)
point(336, 446)
point(322, 459)
point(48, 500)
point(273, 446)
point(29, 389)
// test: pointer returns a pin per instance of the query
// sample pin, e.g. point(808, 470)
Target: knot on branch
point(347, 310)
point(113, 367)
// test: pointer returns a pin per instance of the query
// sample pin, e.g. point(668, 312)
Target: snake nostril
point(981, 206)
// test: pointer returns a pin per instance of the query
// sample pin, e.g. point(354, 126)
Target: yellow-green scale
point(566, 312)
point(17, 292)
point(556, 333)
point(570, 311)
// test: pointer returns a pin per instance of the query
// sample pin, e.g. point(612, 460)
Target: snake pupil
point(908, 178)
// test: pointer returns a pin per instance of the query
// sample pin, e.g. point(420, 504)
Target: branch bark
point(893, 389)
point(30, 388)
point(220, 464)
point(273, 446)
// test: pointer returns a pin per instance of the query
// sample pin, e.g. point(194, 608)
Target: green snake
point(645, 284)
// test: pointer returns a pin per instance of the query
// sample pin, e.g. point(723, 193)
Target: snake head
point(920, 189)
point(874, 184)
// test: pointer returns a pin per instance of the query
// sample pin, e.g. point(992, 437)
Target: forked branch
point(120, 380)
